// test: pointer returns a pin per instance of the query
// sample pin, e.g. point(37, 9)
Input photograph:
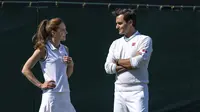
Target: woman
point(56, 66)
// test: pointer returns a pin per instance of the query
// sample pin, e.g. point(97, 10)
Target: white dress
point(53, 68)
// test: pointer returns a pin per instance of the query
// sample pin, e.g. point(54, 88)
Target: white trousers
point(56, 102)
point(132, 101)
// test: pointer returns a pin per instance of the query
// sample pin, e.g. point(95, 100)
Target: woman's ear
point(53, 33)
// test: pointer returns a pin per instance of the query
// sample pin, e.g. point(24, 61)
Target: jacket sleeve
point(145, 50)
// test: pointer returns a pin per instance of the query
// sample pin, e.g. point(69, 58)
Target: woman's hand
point(48, 85)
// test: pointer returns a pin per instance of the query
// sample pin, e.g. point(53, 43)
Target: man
point(128, 58)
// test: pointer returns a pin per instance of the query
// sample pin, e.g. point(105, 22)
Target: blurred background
point(173, 26)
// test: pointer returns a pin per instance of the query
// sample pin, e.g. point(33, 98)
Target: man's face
point(122, 26)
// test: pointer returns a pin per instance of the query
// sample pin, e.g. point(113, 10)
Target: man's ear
point(130, 22)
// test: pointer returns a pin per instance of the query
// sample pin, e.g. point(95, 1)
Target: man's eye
point(119, 23)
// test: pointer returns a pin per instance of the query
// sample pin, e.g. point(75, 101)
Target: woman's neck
point(55, 43)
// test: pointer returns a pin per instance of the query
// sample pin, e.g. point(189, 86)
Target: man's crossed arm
point(124, 65)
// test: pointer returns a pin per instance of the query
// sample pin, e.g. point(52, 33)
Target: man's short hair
point(129, 14)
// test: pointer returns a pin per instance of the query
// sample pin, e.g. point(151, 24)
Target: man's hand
point(116, 61)
point(126, 62)
point(120, 69)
